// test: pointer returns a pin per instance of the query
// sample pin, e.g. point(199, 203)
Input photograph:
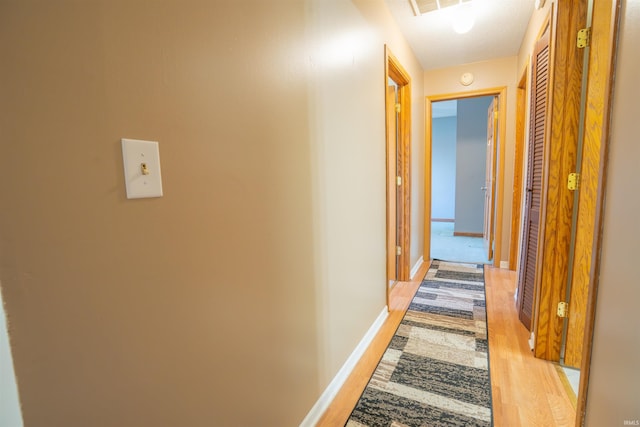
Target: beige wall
point(488, 74)
point(613, 396)
point(386, 31)
point(236, 297)
point(182, 310)
point(538, 20)
point(349, 155)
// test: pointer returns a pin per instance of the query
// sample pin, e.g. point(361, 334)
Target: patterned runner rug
point(435, 371)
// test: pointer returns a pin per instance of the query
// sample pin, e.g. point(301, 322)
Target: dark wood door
point(533, 200)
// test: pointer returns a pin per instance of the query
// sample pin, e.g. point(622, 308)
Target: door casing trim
point(518, 169)
point(501, 93)
point(396, 72)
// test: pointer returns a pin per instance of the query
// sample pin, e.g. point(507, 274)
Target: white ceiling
point(498, 31)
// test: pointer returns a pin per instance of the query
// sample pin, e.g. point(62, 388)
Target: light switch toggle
point(141, 168)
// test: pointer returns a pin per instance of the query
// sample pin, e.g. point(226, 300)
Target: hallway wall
point(347, 127)
point(235, 298)
point(613, 396)
point(180, 310)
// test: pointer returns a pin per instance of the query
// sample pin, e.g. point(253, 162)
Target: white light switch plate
point(141, 156)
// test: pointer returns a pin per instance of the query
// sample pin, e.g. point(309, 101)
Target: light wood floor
point(526, 391)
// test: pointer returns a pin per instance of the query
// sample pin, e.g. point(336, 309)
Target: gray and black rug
point(435, 371)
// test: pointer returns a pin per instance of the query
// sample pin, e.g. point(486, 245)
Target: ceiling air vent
point(421, 7)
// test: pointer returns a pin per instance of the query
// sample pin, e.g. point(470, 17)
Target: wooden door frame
point(490, 183)
point(606, 28)
point(396, 72)
point(501, 93)
point(518, 169)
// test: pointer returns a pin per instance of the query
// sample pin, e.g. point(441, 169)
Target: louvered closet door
point(533, 200)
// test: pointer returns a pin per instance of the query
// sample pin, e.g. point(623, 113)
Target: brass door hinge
point(563, 309)
point(398, 108)
point(573, 181)
point(398, 250)
point(398, 181)
point(584, 38)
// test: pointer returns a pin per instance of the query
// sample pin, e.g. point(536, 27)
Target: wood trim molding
point(499, 204)
point(428, 135)
point(396, 72)
point(518, 169)
point(493, 91)
point(606, 25)
point(501, 93)
point(467, 234)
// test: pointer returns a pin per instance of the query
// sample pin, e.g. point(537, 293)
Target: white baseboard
point(416, 267)
point(532, 340)
point(504, 264)
point(334, 386)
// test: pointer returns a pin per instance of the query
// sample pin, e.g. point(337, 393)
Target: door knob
point(483, 188)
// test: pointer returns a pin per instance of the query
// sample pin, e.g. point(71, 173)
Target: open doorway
point(493, 181)
point(462, 176)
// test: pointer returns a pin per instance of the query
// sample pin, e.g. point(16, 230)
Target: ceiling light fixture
point(462, 18)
